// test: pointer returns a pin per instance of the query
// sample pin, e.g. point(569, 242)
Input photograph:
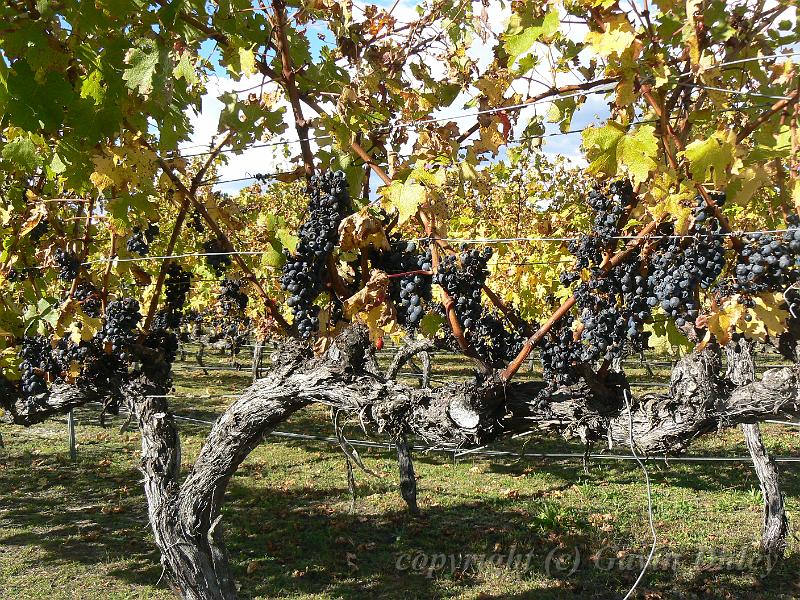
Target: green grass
point(79, 529)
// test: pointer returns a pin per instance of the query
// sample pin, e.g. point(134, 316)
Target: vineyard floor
point(79, 529)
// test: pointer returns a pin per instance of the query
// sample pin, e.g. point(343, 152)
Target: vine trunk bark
point(741, 370)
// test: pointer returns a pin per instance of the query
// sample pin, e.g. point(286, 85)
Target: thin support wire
point(636, 583)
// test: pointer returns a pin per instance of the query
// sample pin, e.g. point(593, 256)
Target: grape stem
point(269, 302)
point(418, 272)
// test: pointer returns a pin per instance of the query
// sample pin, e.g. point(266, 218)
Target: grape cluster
point(176, 286)
point(769, 261)
point(559, 353)
point(463, 279)
point(41, 228)
point(196, 222)
point(139, 242)
point(681, 266)
point(68, 264)
point(410, 292)
point(588, 251)
point(121, 319)
point(496, 344)
point(231, 297)
point(218, 258)
point(329, 202)
point(612, 305)
point(89, 296)
point(609, 207)
point(37, 362)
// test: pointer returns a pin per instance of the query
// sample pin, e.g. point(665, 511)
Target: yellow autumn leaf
point(722, 323)
point(768, 310)
point(490, 141)
point(36, 216)
point(617, 37)
point(104, 174)
point(375, 292)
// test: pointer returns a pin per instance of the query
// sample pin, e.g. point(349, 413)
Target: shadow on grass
point(302, 540)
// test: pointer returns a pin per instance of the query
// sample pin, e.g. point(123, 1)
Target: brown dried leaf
point(362, 230)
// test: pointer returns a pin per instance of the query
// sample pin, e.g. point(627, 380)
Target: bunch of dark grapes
point(494, 342)
point(769, 262)
point(176, 285)
point(559, 354)
point(66, 352)
point(707, 250)
point(39, 231)
point(588, 251)
point(670, 282)
point(681, 266)
point(410, 292)
point(121, 319)
point(463, 280)
point(218, 257)
point(609, 207)
point(37, 362)
point(634, 289)
point(139, 242)
point(196, 222)
point(68, 264)
point(89, 296)
point(329, 202)
point(163, 340)
point(603, 315)
point(231, 297)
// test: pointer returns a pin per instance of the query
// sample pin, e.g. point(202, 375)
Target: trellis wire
point(485, 241)
point(738, 92)
point(409, 124)
point(627, 396)
point(487, 453)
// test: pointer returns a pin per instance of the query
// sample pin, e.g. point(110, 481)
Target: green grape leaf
point(272, 257)
point(430, 324)
point(711, 158)
point(524, 30)
point(637, 152)
point(185, 69)
point(142, 62)
point(22, 152)
point(600, 144)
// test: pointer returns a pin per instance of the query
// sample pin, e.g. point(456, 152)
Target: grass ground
point(79, 529)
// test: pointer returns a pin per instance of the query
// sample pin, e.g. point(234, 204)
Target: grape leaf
point(524, 30)
point(637, 151)
point(406, 198)
point(142, 62)
point(600, 144)
point(185, 69)
point(362, 230)
point(430, 324)
point(710, 158)
point(22, 152)
point(617, 37)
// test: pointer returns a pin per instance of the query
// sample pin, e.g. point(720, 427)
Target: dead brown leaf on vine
point(372, 306)
point(362, 230)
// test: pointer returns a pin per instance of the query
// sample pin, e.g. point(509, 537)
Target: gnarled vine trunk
point(741, 370)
